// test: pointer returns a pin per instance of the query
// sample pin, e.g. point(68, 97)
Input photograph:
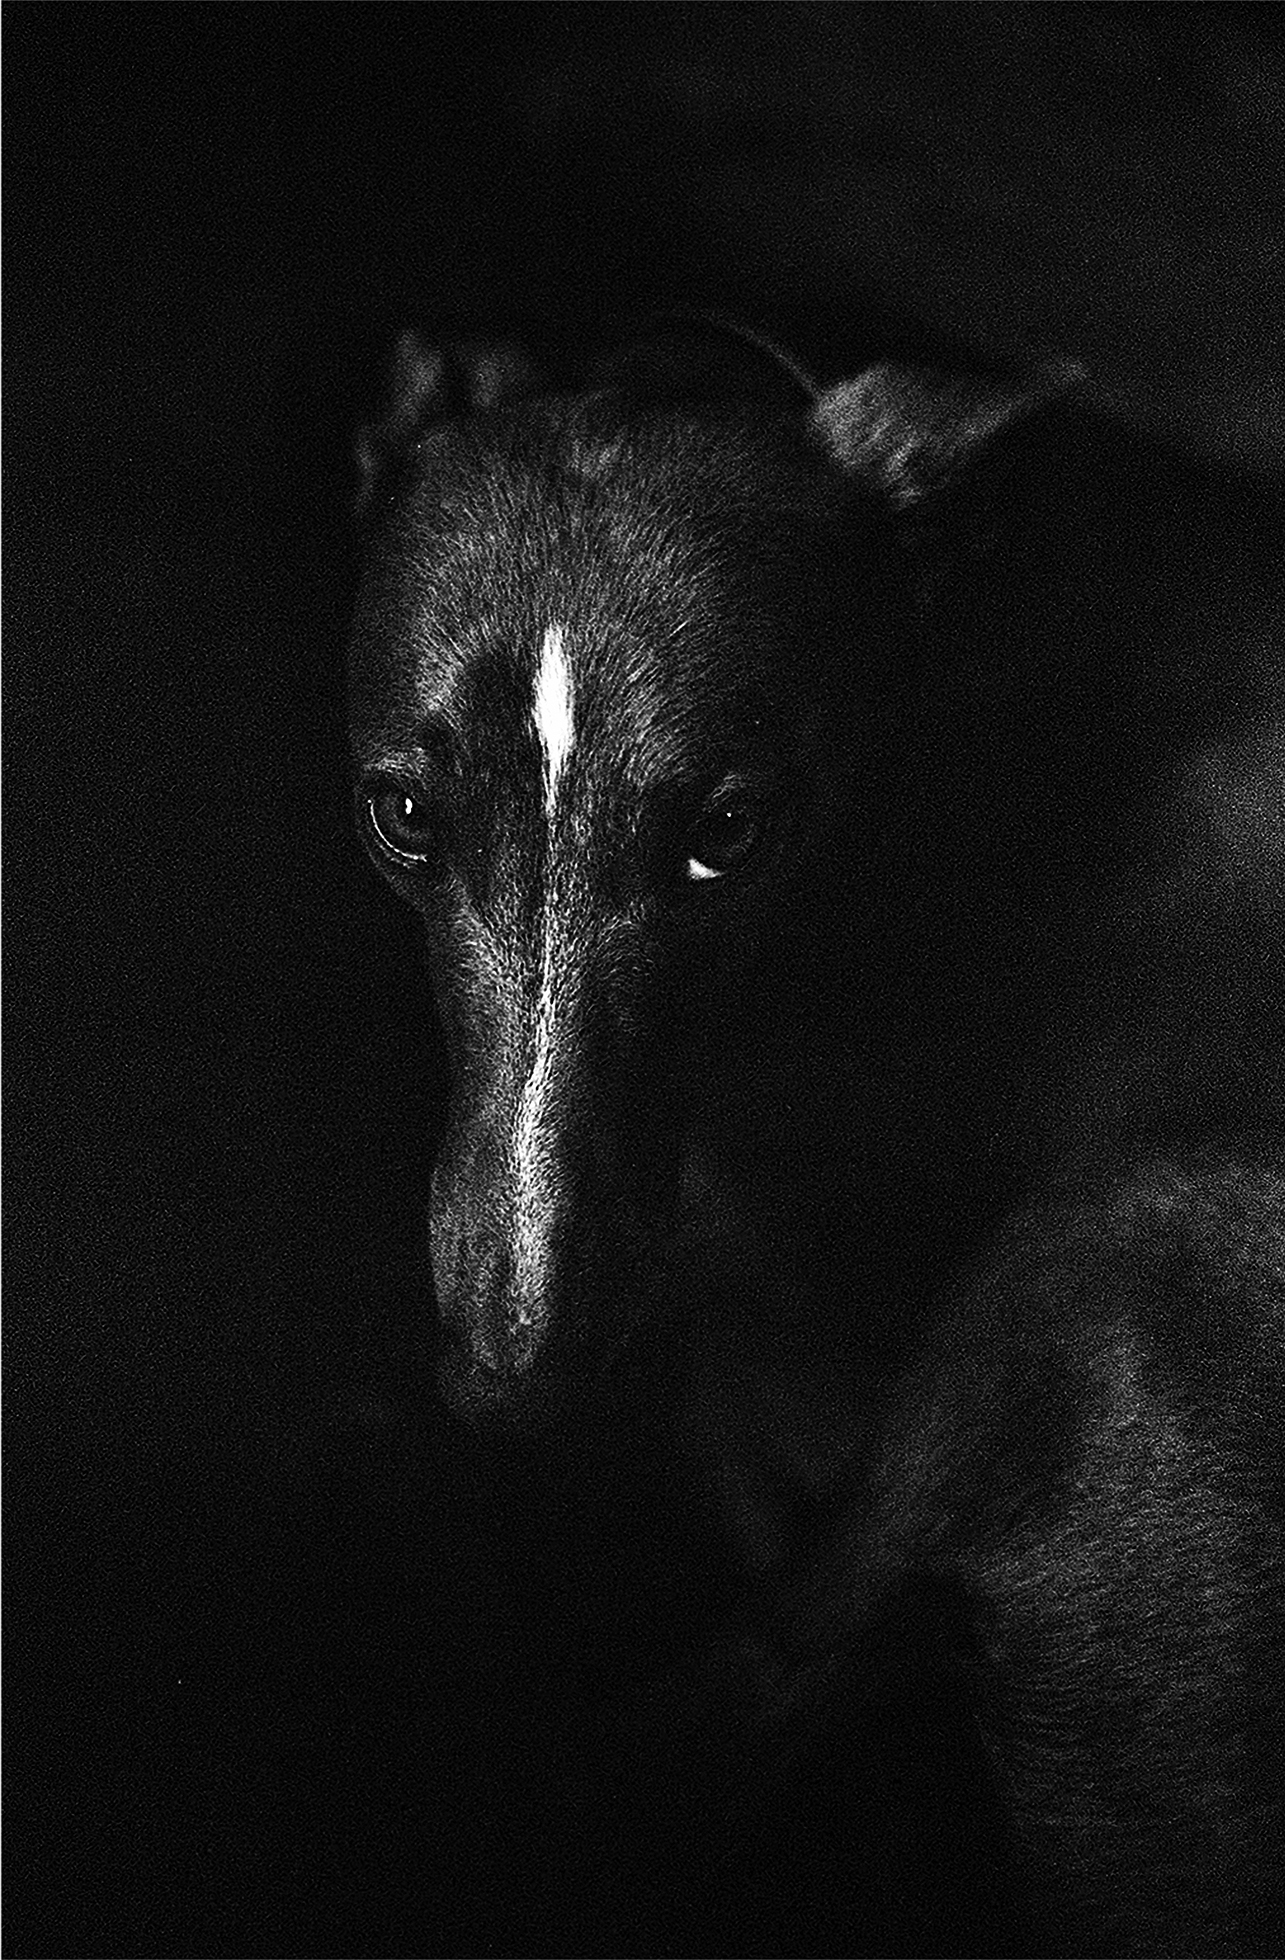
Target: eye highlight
point(401, 821)
point(723, 836)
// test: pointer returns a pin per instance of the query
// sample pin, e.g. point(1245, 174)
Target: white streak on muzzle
point(553, 714)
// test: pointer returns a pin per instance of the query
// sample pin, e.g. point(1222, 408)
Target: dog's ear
point(907, 433)
point(430, 384)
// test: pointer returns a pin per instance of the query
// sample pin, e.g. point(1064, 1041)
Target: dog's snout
point(474, 1380)
point(483, 1311)
point(504, 1354)
point(530, 1297)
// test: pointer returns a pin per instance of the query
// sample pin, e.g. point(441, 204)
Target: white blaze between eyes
point(553, 714)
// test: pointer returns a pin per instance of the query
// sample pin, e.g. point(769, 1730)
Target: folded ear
point(906, 432)
point(429, 385)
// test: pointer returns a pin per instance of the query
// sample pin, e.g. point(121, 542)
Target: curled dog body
point(851, 882)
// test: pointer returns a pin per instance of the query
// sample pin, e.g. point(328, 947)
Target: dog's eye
point(723, 837)
point(402, 823)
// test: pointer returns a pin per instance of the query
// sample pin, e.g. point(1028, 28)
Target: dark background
point(261, 1594)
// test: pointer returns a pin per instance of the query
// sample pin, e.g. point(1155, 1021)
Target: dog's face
point(595, 696)
point(620, 683)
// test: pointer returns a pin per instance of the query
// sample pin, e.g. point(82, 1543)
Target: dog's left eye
point(723, 837)
point(402, 823)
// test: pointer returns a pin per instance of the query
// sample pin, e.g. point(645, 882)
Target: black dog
point(850, 833)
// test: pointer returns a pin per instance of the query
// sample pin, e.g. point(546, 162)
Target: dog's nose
point(489, 1319)
point(504, 1352)
point(490, 1384)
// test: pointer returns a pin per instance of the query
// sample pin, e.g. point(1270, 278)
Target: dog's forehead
point(664, 550)
point(579, 498)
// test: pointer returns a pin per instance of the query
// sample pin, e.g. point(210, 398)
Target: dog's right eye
point(402, 823)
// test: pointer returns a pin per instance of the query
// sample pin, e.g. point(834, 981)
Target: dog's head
point(629, 680)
